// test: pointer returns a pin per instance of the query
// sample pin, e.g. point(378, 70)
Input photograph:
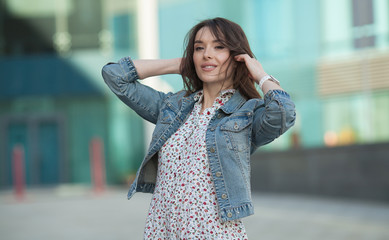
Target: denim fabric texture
point(236, 130)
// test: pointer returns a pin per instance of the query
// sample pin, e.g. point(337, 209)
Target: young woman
point(198, 162)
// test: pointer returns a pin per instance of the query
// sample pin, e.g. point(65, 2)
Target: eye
point(198, 48)
point(220, 47)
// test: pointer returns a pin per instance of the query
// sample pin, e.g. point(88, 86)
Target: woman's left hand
point(255, 68)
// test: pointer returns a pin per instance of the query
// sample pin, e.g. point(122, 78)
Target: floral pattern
point(184, 203)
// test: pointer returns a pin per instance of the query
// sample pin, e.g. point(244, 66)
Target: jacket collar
point(235, 102)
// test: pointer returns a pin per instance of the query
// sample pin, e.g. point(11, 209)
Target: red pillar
point(18, 171)
point(96, 151)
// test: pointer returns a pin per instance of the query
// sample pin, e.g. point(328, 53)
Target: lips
point(208, 67)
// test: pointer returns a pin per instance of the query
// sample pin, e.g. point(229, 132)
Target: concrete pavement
point(75, 212)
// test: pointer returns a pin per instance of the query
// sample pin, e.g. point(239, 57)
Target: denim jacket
point(236, 130)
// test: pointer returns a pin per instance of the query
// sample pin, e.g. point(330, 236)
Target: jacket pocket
point(236, 130)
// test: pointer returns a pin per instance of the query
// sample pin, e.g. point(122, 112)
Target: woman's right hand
point(155, 67)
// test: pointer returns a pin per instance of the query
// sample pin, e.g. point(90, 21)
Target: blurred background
point(60, 124)
point(331, 56)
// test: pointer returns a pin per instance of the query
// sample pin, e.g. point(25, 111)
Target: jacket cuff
point(129, 70)
point(277, 93)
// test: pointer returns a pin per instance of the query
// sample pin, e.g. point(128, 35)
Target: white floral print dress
point(183, 204)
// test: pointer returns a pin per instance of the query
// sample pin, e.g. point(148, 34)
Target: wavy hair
point(233, 38)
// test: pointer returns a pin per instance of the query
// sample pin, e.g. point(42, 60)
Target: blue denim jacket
point(236, 130)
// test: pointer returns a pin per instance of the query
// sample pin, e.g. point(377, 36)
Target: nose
point(207, 54)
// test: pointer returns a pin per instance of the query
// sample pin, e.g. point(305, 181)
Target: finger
point(241, 57)
point(238, 58)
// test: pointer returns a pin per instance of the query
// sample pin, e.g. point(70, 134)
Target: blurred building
point(330, 55)
point(52, 97)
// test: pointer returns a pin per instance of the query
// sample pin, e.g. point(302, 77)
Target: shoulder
point(250, 105)
point(175, 97)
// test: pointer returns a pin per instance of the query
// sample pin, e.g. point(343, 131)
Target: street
point(76, 212)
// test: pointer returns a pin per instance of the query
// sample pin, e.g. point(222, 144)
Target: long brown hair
point(230, 36)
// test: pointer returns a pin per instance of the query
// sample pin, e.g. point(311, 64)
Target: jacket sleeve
point(273, 117)
point(122, 78)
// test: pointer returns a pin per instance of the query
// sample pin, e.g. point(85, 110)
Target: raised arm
point(149, 68)
point(122, 78)
point(276, 114)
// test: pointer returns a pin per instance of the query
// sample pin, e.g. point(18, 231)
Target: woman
point(198, 162)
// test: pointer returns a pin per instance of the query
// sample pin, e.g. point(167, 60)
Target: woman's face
point(211, 59)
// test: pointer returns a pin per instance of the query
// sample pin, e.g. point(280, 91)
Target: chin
point(209, 78)
point(209, 81)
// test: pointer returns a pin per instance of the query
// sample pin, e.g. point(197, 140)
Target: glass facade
point(352, 71)
point(330, 55)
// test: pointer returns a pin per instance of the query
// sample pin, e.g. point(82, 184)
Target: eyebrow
point(199, 41)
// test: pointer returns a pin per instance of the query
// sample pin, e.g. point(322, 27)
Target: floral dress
point(184, 204)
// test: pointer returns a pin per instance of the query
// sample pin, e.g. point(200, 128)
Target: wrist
point(177, 65)
point(170, 66)
point(268, 78)
point(260, 76)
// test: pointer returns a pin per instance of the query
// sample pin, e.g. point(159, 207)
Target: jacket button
point(224, 196)
point(218, 174)
point(236, 127)
point(212, 129)
point(212, 150)
point(219, 115)
point(229, 214)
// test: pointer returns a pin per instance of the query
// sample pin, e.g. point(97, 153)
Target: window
point(25, 32)
point(42, 26)
point(363, 23)
point(85, 24)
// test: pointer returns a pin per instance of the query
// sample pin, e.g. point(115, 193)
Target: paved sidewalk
point(74, 212)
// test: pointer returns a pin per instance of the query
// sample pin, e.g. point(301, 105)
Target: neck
point(210, 93)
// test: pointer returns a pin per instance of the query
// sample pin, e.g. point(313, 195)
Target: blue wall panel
point(42, 75)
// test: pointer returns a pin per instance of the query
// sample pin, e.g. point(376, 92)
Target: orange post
point(18, 171)
point(96, 151)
